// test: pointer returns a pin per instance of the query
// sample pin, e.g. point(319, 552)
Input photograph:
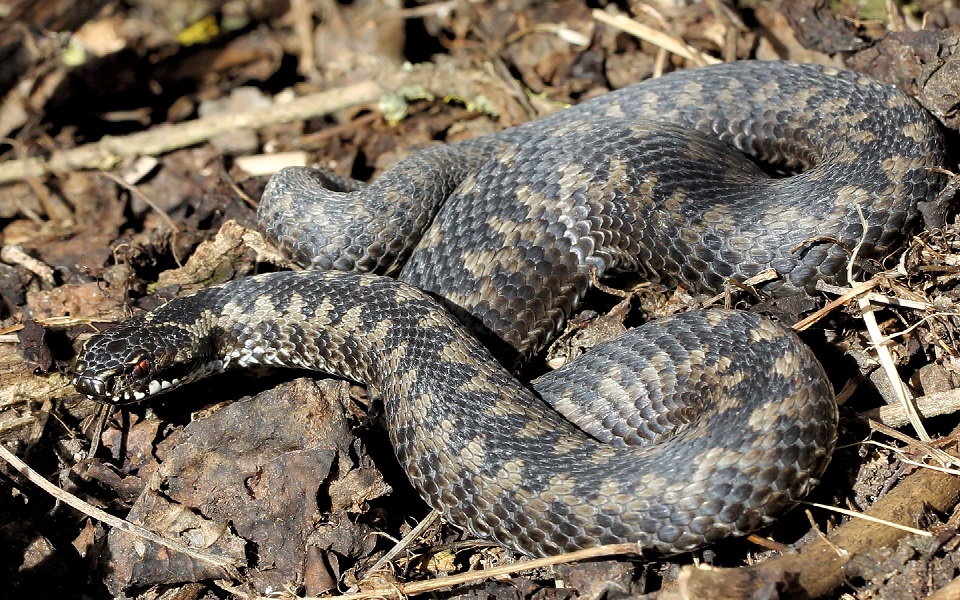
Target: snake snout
point(91, 385)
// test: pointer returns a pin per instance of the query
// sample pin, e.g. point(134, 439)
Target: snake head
point(136, 360)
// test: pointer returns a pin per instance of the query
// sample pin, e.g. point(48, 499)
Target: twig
point(895, 18)
point(229, 566)
point(769, 544)
point(302, 13)
point(823, 537)
point(174, 230)
point(400, 546)
point(747, 285)
point(929, 405)
point(147, 200)
point(902, 454)
point(880, 298)
point(53, 208)
point(14, 255)
point(400, 590)
point(944, 458)
point(848, 294)
point(918, 323)
point(102, 415)
point(109, 151)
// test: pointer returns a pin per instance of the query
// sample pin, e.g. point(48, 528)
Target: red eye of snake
point(141, 369)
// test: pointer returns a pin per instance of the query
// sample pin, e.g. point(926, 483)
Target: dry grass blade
point(657, 38)
point(858, 515)
point(890, 368)
point(939, 455)
point(400, 546)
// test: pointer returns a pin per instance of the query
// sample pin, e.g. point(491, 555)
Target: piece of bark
point(243, 481)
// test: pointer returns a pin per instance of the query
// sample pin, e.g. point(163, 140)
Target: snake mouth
point(96, 388)
point(119, 386)
point(125, 384)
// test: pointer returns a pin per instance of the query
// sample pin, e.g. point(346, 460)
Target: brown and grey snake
point(683, 431)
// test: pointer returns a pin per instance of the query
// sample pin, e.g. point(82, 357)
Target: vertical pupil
point(141, 369)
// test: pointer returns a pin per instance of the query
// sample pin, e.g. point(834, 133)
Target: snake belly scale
point(683, 431)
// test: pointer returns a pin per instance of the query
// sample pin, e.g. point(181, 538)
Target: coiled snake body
point(683, 431)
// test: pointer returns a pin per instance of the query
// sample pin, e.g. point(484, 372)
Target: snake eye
point(141, 369)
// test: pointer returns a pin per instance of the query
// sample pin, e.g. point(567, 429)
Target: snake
point(432, 283)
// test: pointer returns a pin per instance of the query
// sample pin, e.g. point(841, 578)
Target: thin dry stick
point(302, 13)
point(747, 286)
point(420, 587)
point(944, 458)
point(947, 470)
point(818, 569)
point(53, 209)
point(880, 298)
point(929, 405)
point(400, 546)
point(106, 153)
point(938, 315)
point(149, 202)
point(849, 294)
point(228, 565)
point(733, 27)
point(102, 415)
point(901, 454)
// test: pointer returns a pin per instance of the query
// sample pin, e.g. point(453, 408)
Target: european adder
point(682, 432)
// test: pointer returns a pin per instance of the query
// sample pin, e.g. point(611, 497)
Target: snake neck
point(434, 379)
point(377, 331)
